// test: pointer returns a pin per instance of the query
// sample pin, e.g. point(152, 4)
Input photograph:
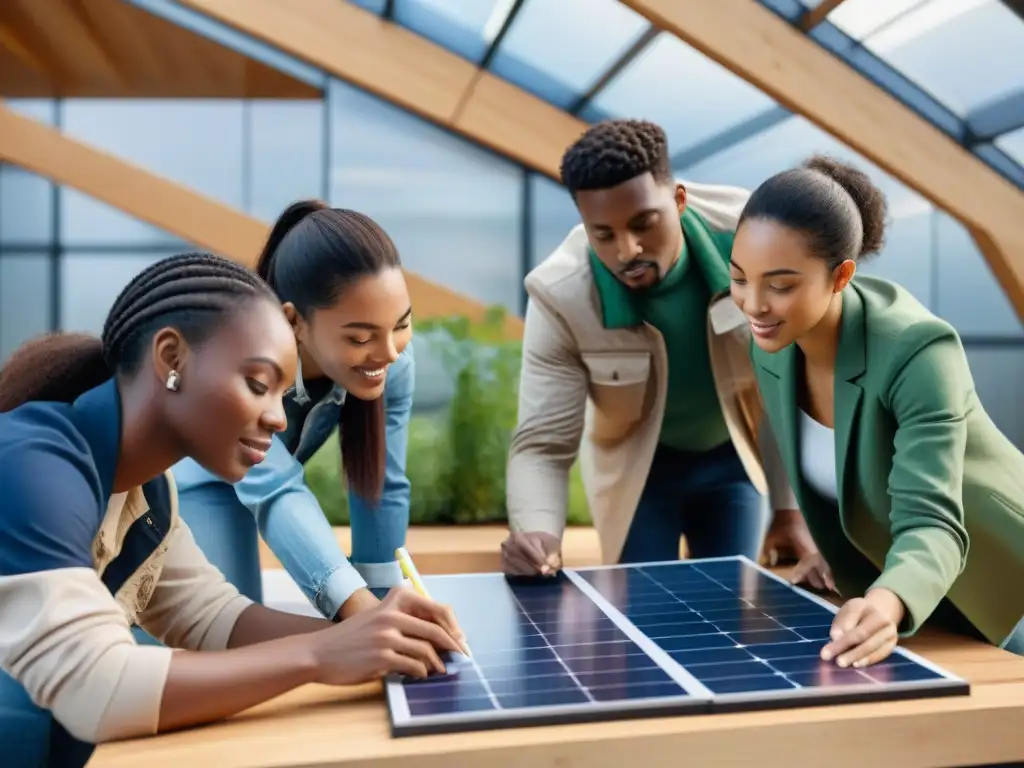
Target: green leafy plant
point(457, 454)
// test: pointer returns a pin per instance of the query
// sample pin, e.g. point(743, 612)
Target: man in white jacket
point(636, 360)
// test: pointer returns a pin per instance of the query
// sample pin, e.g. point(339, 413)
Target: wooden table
point(319, 726)
point(468, 548)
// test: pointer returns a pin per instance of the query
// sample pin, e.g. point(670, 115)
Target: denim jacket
point(288, 515)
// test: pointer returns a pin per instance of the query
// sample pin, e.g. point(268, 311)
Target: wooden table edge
point(319, 727)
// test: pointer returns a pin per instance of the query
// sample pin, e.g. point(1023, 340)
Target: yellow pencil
point(413, 575)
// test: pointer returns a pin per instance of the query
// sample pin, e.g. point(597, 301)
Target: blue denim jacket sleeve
point(378, 529)
point(295, 528)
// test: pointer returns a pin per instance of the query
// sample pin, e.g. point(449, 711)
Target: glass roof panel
point(549, 53)
point(43, 110)
point(1013, 144)
point(787, 145)
point(465, 27)
point(964, 52)
point(692, 97)
point(860, 18)
point(792, 142)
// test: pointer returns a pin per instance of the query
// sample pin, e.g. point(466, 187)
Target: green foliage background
point(457, 455)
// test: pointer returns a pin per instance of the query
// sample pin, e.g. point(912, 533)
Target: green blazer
point(931, 493)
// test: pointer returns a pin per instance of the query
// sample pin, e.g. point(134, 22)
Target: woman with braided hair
point(339, 278)
point(194, 359)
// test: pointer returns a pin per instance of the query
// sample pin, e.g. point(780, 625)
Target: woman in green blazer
point(914, 497)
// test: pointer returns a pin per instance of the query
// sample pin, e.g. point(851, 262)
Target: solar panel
point(613, 642)
point(751, 638)
point(542, 652)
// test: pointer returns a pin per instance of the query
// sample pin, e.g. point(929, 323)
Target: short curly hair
point(614, 151)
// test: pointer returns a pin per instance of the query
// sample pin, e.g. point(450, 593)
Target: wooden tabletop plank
point(316, 727)
point(320, 726)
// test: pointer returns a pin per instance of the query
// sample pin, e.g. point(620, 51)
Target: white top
point(818, 456)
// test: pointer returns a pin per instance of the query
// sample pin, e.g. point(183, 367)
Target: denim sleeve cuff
point(337, 588)
point(380, 575)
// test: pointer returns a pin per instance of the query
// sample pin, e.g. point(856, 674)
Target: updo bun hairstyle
point(836, 206)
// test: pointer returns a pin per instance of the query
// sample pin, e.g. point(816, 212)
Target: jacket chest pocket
point(618, 383)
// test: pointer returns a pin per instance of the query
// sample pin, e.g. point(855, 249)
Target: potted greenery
point(465, 412)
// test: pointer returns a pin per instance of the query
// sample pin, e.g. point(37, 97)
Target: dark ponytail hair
point(191, 292)
point(836, 206)
point(314, 252)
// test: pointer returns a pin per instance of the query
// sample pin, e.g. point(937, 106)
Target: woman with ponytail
point(913, 495)
point(339, 278)
point(194, 360)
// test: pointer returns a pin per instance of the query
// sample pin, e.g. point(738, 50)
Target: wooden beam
point(112, 49)
point(190, 215)
point(54, 29)
point(814, 16)
point(17, 50)
point(763, 49)
point(406, 69)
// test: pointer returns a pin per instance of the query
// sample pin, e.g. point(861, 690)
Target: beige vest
point(599, 394)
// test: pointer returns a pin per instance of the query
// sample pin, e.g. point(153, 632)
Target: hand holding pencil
point(413, 575)
point(406, 633)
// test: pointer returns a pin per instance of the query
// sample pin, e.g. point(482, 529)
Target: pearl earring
point(173, 381)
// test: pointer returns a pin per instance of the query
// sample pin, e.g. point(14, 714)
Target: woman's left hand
point(865, 631)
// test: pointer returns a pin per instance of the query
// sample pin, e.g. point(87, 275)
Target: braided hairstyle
point(614, 151)
point(191, 292)
point(312, 253)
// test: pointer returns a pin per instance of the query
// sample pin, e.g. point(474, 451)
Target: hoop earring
point(173, 381)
